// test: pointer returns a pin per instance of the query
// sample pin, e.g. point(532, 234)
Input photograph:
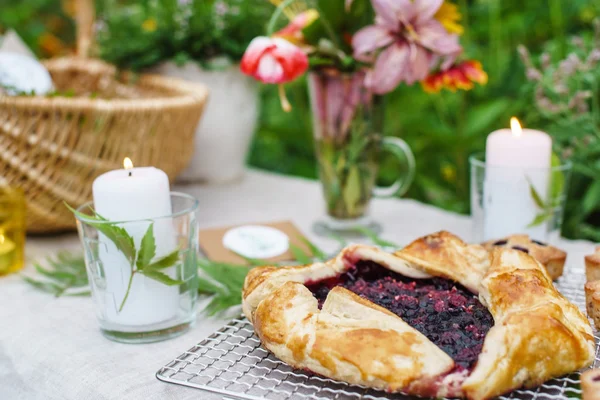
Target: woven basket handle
point(84, 18)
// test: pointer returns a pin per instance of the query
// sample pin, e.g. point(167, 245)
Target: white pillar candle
point(126, 195)
point(515, 159)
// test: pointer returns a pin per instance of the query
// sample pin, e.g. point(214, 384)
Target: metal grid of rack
point(232, 363)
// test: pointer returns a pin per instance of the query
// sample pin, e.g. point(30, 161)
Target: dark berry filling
point(596, 378)
point(445, 312)
point(539, 243)
point(500, 242)
point(523, 249)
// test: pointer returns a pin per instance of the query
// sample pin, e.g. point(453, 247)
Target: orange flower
point(50, 44)
point(459, 76)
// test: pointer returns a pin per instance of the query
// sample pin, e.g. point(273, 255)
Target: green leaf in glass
point(160, 277)
point(539, 219)
point(118, 235)
point(536, 196)
point(147, 248)
point(557, 183)
point(167, 261)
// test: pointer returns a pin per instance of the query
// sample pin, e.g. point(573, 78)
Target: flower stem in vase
point(127, 291)
point(347, 145)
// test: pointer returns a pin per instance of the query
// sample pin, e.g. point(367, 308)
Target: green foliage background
point(443, 129)
point(186, 30)
point(33, 18)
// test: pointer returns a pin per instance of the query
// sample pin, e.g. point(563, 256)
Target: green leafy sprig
point(225, 281)
point(375, 238)
point(63, 275)
point(140, 260)
point(222, 281)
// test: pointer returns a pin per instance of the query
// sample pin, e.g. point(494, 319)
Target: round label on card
point(20, 74)
point(255, 241)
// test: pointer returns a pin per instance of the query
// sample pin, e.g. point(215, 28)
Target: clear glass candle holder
point(143, 273)
point(514, 200)
point(12, 229)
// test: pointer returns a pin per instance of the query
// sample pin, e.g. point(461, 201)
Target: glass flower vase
point(348, 135)
point(143, 273)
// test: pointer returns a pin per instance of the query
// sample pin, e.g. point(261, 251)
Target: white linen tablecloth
point(51, 348)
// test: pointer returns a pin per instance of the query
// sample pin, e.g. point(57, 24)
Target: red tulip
point(273, 60)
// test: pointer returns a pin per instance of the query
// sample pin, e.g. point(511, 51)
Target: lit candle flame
point(127, 163)
point(515, 127)
point(2, 239)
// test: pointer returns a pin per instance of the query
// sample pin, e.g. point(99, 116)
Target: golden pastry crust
point(552, 258)
point(349, 339)
point(590, 384)
point(537, 334)
point(445, 255)
point(592, 266)
point(592, 301)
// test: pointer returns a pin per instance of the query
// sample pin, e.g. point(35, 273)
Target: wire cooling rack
point(232, 363)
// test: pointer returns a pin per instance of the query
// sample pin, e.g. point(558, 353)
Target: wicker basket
point(54, 147)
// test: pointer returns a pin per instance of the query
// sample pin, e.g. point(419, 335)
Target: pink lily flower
point(405, 43)
point(273, 60)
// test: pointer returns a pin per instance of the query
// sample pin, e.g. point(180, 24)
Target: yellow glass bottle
point(12, 229)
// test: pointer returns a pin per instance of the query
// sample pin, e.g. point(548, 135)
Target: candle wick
point(129, 173)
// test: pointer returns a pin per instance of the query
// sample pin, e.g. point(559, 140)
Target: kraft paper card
point(265, 241)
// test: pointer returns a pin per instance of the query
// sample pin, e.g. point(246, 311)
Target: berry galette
point(438, 318)
point(552, 258)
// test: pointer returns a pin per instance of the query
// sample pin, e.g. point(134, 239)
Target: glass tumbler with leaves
point(509, 200)
point(142, 273)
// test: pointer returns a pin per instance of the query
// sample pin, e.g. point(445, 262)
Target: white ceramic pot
point(225, 132)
